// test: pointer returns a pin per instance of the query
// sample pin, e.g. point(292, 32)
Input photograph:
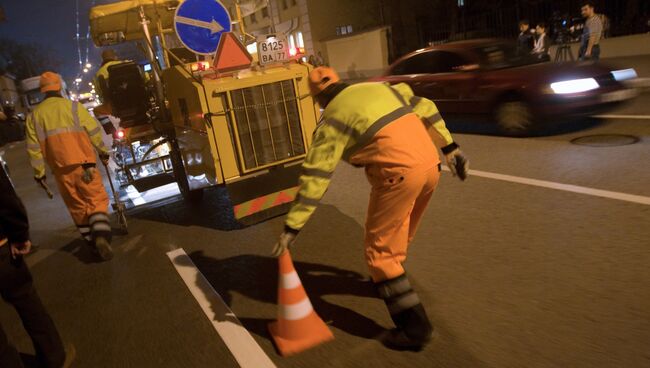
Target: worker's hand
point(20, 249)
point(40, 179)
point(588, 53)
point(104, 157)
point(457, 163)
point(285, 241)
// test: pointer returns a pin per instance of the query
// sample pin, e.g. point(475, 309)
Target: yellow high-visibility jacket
point(62, 133)
point(349, 123)
point(101, 80)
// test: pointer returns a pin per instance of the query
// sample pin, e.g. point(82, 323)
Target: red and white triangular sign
point(231, 54)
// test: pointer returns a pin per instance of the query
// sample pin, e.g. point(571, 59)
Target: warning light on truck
point(200, 66)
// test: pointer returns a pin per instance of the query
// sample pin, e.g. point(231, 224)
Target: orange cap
point(50, 82)
point(321, 78)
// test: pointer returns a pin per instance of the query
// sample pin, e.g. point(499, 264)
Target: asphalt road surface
point(540, 259)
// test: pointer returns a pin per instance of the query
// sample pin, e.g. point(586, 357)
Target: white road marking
point(631, 117)
point(240, 342)
point(560, 186)
point(135, 196)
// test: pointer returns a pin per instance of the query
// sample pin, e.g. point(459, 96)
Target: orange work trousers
point(398, 199)
point(86, 202)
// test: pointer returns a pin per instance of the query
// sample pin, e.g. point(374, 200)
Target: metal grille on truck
point(268, 123)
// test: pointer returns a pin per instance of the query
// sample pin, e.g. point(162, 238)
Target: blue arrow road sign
point(200, 23)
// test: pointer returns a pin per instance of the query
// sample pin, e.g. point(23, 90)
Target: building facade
point(309, 24)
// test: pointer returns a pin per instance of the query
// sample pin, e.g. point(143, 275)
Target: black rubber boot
point(104, 248)
point(413, 328)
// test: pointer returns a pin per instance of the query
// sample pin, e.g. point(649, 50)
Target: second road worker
point(391, 133)
point(109, 58)
point(63, 134)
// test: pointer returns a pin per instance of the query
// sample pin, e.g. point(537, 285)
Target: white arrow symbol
point(213, 26)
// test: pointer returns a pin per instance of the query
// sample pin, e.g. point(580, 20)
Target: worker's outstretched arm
point(36, 158)
point(323, 156)
point(94, 130)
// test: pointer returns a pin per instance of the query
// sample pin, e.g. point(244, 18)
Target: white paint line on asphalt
point(631, 117)
point(135, 196)
point(560, 186)
point(240, 342)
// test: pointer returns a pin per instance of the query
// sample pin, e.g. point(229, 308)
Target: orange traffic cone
point(298, 327)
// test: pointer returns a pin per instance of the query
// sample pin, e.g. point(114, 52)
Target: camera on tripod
point(565, 30)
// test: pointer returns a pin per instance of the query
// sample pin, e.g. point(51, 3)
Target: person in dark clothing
point(525, 41)
point(16, 286)
point(12, 129)
point(542, 43)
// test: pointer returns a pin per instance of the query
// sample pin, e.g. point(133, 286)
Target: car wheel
point(514, 118)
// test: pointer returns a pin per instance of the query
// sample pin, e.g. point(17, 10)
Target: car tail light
point(119, 134)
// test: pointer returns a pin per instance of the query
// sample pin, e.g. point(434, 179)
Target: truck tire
point(191, 196)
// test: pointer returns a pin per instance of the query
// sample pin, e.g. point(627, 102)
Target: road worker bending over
point(62, 133)
point(391, 133)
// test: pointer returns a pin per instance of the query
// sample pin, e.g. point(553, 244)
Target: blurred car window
point(430, 62)
point(503, 55)
point(34, 97)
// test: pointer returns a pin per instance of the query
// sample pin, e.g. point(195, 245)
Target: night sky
point(51, 23)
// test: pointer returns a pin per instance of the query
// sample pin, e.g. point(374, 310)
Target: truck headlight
point(574, 86)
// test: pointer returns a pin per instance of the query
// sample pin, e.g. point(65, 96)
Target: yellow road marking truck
point(246, 130)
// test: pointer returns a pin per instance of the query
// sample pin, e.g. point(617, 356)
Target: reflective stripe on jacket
point(62, 133)
point(348, 124)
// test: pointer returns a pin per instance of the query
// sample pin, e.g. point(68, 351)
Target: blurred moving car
point(88, 101)
point(12, 128)
point(519, 92)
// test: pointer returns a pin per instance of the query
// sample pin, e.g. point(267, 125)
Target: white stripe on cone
point(293, 312)
point(290, 280)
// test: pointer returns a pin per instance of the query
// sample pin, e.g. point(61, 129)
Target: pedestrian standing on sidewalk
point(17, 289)
point(63, 134)
point(591, 34)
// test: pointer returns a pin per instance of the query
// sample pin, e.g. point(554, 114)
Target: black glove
point(41, 179)
point(457, 163)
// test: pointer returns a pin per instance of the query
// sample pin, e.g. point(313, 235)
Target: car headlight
point(574, 86)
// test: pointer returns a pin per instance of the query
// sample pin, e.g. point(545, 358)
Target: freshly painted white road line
point(135, 196)
point(240, 342)
point(560, 186)
point(631, 117)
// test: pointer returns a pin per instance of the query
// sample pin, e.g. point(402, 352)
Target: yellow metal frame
point(216, 97)
point(240, 152)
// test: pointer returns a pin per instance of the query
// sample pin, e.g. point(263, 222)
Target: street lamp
point(89, 65)
point(78, 80)
point(85, 70)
